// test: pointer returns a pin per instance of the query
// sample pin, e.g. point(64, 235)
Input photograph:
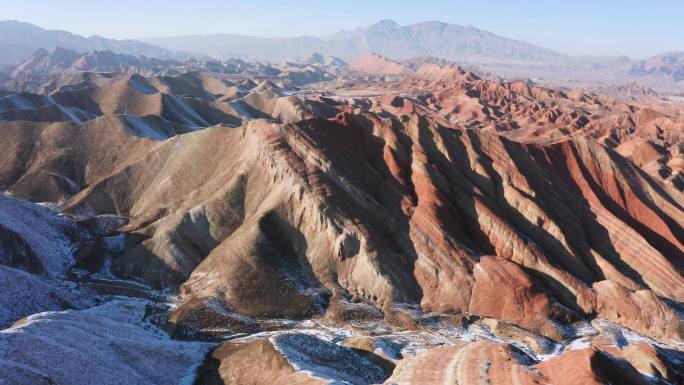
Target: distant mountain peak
point(386, 23)
point(434, 22)
point(61, 51)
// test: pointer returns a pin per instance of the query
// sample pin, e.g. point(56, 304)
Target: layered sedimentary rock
point(474, 205)
point(405, 217)
point(491, 363)
point(504, 291)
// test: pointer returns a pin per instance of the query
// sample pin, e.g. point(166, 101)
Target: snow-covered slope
point(35, 238)
point(106, 344)
point(23, 294)
point(326, 360)
point(26, 106)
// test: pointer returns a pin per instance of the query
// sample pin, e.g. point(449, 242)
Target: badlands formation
point(402, 224)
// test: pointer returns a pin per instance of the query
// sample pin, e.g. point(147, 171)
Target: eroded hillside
point(429, 227)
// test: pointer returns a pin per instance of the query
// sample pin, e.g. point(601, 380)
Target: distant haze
point(387, 37)
point(610, 27)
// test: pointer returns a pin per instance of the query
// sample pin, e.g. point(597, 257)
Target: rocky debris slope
point(447, 351)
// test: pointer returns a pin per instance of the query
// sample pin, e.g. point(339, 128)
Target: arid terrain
point(173, 221)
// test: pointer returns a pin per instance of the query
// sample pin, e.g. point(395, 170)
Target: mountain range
point(396, 219)
point(464, 45)
point(434, 38)
point(18, 40)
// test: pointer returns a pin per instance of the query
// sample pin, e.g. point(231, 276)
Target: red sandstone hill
point(375, 64)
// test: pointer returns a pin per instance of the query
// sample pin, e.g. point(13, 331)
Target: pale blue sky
point(636, 28)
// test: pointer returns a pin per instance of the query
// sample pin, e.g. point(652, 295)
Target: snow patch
point(21, 101)
point(75, 115)
point(155, 127)
point(187, 113)
point(326, 360)
point(140, 127)
point(140, 84)
point(243, 111)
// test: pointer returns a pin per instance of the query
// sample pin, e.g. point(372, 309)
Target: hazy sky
point(636, 28)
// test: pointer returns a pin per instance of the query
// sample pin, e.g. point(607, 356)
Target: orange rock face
point(504, 291)
point(479, 362)
point(486, 362)
point(590, 366)
point(375, 64)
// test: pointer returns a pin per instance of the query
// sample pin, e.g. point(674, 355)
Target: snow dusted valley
point(168, 217)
